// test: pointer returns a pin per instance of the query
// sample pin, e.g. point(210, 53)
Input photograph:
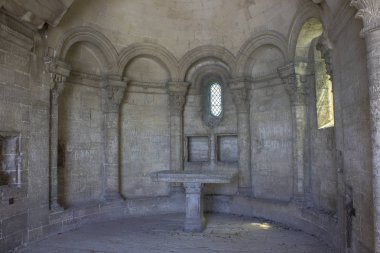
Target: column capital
point(240, 93)
point(58, 72)
point(113, 92)
point(193, 188)
point(369, 12)
point(177, 96)
point(297, 91)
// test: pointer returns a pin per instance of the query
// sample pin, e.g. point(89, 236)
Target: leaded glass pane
point(216, 100)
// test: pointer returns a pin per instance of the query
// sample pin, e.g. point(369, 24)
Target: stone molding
point(113, 93)
point(325, 46)
point(240, 94)
point(177, 96)
point(369, 12)
point(297, 93)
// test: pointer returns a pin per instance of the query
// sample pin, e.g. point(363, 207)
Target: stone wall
point(271, 132)
point(353, 131)
point(20, 115)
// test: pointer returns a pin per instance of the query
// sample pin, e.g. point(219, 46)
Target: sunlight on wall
point(324, 93)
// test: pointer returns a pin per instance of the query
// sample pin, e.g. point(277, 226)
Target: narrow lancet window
point(216, 108)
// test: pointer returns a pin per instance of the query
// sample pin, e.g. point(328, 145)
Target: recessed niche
point(227, 148)
point(198, 148)
point(9, 159)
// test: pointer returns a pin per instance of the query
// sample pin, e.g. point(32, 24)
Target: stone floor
point(224, 234)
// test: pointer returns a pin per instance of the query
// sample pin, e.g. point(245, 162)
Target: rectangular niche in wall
point(9, 159)
point(198, 149)
point(227, 148)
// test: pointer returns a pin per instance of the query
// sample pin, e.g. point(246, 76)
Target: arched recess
point(209, 132)
point(153, 51)
point(92, 37)
point(144, 126)
point(314, 86)
point(81, 115)
point(245, 60)
point(205, 53)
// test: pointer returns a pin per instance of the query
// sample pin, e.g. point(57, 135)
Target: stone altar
point(193, 181)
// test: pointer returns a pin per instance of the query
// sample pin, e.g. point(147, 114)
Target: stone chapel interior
point(96, 96)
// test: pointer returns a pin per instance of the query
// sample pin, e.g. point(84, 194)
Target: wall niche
point(227, 148)
point(10, 159)
point(198, 149)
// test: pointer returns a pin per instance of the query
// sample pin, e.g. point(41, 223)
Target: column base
point(195, 225)
point(112, 196)
point(56, 208)
point(299, 199)
point(245, 191)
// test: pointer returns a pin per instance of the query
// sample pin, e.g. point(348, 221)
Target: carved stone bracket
point(369, 12)
point(177, 96)
point(113, 93)
point(324, 45)
point(240, 94)
point(297, 92)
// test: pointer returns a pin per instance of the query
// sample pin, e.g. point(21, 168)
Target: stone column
point(369, 11)
point(240, 95)
point(113, 94)
point(58, 71)
point(297, 92)
point(177, 98)
point(194, 221)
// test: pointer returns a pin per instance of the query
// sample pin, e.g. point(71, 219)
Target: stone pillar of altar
point(194, 221)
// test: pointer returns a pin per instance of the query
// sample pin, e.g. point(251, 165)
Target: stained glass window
point(216, 108)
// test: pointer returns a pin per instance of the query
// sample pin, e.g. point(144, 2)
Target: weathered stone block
point(15, 224)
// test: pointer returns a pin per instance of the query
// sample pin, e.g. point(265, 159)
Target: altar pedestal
point(193, 182)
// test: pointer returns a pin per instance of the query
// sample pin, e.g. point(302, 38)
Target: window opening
point(216, 108)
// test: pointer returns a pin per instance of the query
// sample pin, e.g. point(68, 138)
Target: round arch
point(93, 37)
point(309, 11)
point(205, 53)
point(163, 56)
point(267, 38)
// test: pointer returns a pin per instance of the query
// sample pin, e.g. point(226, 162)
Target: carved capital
point(177, 96)
point(113, 93)
point(324, 45)
point(58, 72)
point(369, 12)
point(193, 188)
point(240, 93)
point(294, 84)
